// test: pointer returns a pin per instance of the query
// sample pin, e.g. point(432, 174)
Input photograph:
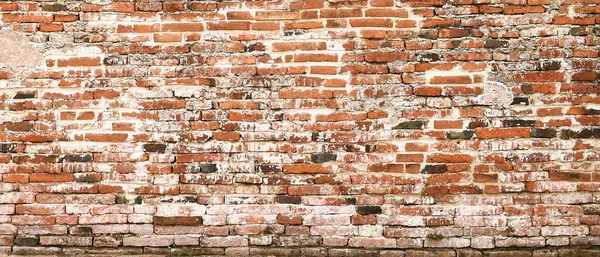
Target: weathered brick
point(205, 168)
point(27, 241)
point(8, 148)
point(448, 242)
point(300, 128)
point(372, 242)
point(520, 242)
point(24, 96)
point(65, 240)
point(430, 253)
point(78, 158)
point(174, 221)
point(351, 252)
point(366, 210)
point(231, 241)
point(148, 241)
point(159, 148)
point(543, 133)
point(564, 231)
point(519, 123)
point(493, 43)
point(323, 157)
point(284, 199)
point(410, 125)
point(465, 134)
point(434, 169)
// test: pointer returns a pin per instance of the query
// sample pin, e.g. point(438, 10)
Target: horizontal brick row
point(300, 128)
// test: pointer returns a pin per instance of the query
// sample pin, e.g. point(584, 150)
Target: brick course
point(300, 127)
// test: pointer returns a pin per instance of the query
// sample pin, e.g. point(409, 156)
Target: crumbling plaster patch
point(17, 53)
point(496, 94)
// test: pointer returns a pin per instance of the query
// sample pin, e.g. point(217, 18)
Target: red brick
point(315, 58)
point(451, 80)
point(425, 3)
point(307, 4)
point(165, 38)
point(523, 9)
point(306, 168)
point(27, 18)
point(226, 136)
point(277, 15)
point(435, 190)
point(177, 221)
point(485, 133)
point(106, 137)
point(289, 220)
point(450, 158)
point(79, 61)
point(540, 77)
point(51, 177)
point(387, 168)
point(371, 23)
point(428, 91)
point(409, 158)
point(584, 76)
point(447, 124)
point(585, 53)
point(454, 33)
point(388, 57)
point(55, 27)
point(228, 25)
point(440, 179)
point(340, 13)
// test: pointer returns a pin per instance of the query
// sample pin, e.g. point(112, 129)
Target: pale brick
point(409, 243)
point(482, 242)
point(557, 241)
point(232, 241)
point(144, 229)
point(66, 240)
point(565, 231)
point(452, 242)
point(520, 242)
point(335, 241)
point(186, 240)
point(334, 230)
point(147, 241)
point(365, 242)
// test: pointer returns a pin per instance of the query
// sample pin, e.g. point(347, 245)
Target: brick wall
point(337, 127)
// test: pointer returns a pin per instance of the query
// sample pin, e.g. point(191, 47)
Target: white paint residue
point(223, 63)
point(137, 152)
point(496, 94)
point(312, 112)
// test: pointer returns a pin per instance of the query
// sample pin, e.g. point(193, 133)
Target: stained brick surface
point(300, 127)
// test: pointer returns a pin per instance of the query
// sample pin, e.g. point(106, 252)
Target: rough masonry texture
point(312, 127)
